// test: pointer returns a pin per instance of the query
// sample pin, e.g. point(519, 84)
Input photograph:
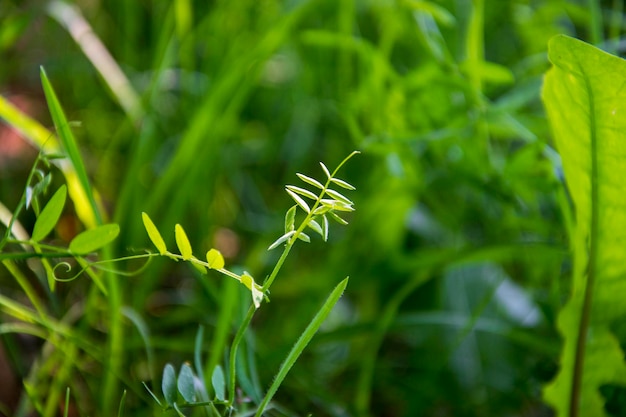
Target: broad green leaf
point(343, 184)
point(168, 385)
point(299, 201)
point(257, 295)
point(586, 105)
point(290, 219)
point(310, 181)
point(215, 259)
point(183, 242)
point(302, 342)
point(185, 383)
point(281, 239)
point(219, 383)
point(94, 239)
point(154, 234)
point(326, 171)
point(338, 196)
point(50, 214)
point(316, 227)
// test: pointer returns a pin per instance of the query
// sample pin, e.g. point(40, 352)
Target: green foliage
point(585, 104)
point(198, 112)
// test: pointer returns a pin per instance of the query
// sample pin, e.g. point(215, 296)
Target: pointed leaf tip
point(94, 239)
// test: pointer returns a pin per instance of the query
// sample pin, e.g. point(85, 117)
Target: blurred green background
point(457, 251)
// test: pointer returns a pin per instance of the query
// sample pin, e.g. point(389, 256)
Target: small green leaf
point(304, 237)
point(316, 227)
point(290, 219)
point(338, 196)
point(215, 259)
point(336, 205)
point(91, 240)
point(310, 181)
point(325, 227)
point(154, 234)
point(183, 242)
point(326, 171)
point(219, 383)
point(168, 385)
point(302, 191)
point(321, 209)
point(50, 214)
point(299, 201)
point(281, 239)
point(257, 295)
point(186, 384)
point(338, 219)
point(343, 184)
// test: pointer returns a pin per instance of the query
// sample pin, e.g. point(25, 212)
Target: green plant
point(585, 102)
point(326, 203)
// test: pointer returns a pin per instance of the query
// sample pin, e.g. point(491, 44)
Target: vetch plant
point(318, 202)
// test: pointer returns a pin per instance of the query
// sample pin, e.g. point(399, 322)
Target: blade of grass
point(302, 342)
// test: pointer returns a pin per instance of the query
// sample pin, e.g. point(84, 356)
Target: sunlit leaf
point(338, 196)
point(185, 383)
point(281, 239)
point(299, 201)
point(94, 239)
point(215, 259)
point(219, 383)
point(316, 227)
point(343, 184)
point(50, 214)
point(302, 191)
point(154, 234)
point(586, 105)
point(310, 181)
point(200, 268)
point(326, 171)
point(304, 237)
point(290, 219)
point(183, 242)
point(168, 385)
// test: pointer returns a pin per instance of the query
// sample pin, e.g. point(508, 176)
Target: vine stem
point(270, 279)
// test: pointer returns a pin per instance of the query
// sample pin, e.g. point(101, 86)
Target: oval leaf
point(168, 385)
point(219, 383)
point(94, 239)
point(154, 234)
point(290, 219)
point(50, 214)
point(302, 191)
point(186, 384)
point(257, 296)
point(299, 200)
point(215, 259)
point(343, 184)
point(310, 181)
point(183, 242)
point(304, 237)
point(338, 196)
point(326, 171)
